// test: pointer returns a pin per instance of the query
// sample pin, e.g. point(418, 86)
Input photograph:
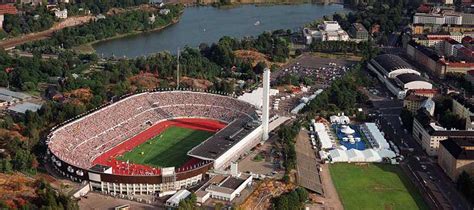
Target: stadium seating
point(80, 142)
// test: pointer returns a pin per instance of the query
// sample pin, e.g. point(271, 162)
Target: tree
point(219, 206)
point(302, 194)
point(5, 165)
point(259, 68)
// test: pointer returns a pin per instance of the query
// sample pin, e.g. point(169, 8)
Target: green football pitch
point(374, 186)
point(168, 149)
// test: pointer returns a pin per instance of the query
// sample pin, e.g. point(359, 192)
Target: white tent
point(376, 136)
point(323, 135)
point(338, 155)
point(354, 155)
point(347, 130)
point(323, 154)
point(386, 153)
point(371, 155)
point(339, 119)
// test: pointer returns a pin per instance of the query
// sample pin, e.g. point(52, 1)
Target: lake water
point(208, 24)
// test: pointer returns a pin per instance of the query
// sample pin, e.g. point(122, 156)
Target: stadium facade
point(75, 146)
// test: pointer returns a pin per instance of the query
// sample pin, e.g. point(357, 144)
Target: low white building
point(164, 11)
point(328, 31)
point(61, 14)
point(223, 187)
point(177, 197)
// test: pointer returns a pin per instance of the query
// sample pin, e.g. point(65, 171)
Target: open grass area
point(168, 149)
point(375, 186)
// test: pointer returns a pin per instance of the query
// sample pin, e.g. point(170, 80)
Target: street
point(436, 187)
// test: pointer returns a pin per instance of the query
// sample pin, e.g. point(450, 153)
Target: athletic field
point(374, 186)
point(167, 149)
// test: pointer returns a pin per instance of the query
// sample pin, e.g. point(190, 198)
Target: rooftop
point(223, 140)
point(423, 91)
point(18, 95)
point(177, 197)
point(413, 97)
point(24, 107)
point(392, 62)
point(407, 78)
point(460, 148)
point(99, 168)
point(232, 183)
point(7, 9)
point(466, 102)
point(359, 27)
point(426, 51)
point(430, 125)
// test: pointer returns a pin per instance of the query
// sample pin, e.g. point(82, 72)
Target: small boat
point(257, 23)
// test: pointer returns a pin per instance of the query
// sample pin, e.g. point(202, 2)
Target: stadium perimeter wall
point(234, 153)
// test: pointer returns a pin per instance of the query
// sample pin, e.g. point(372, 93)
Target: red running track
point(120, 167)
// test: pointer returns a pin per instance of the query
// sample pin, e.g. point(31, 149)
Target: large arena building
point(109, 147)
point(397, 75)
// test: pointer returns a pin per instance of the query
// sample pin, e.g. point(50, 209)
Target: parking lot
point(319, 71)
point(98, 201)
point(269, 166)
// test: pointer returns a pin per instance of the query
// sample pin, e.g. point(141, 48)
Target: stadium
point(154, 141)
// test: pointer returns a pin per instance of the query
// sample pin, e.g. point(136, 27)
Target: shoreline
point(257, 4)
point(88, 48)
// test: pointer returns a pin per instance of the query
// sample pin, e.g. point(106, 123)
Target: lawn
point(168, 149)
point(375, 186)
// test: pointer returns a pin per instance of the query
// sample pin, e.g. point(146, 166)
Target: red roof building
point(8, 9)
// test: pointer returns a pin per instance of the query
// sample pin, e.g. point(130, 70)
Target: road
point(432, 181)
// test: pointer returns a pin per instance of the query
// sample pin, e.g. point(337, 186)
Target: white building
point(397, 75)
point(437, 19)
point(328, 31)
point(223, 187)
point(177, 197)
point(429, 134)
point(61, 14)
point(164, 11)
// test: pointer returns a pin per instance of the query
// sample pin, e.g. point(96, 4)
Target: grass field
point(375, 186)
point(168, 149)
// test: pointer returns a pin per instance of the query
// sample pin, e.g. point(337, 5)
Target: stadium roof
point(407, 78)
point(223, 140)
point(23, 107)
point(392, 62)
point(99, 168)
point(460, 148)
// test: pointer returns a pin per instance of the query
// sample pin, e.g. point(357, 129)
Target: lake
point(208, 24)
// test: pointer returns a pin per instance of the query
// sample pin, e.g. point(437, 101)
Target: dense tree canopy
point(33, 19)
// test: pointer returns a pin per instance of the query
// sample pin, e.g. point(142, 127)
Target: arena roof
point(392, 62)
point(223, 140)
point(407, 78)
